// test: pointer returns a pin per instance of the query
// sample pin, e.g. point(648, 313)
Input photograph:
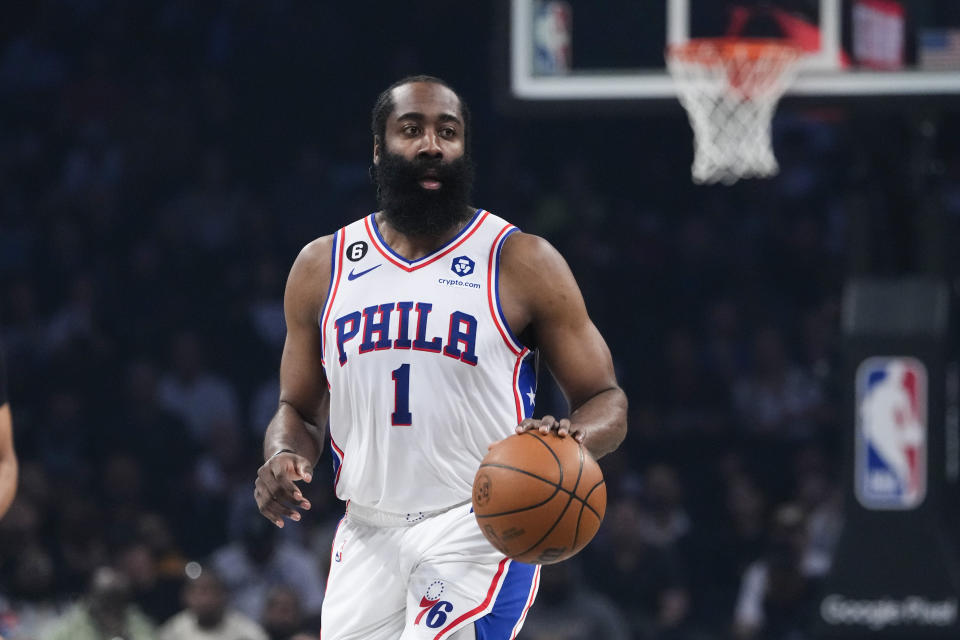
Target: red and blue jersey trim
point(524, 373)
point(493, 291)
point(336, 266)
point(524, 377)
point(337, 454)
point(397, 260)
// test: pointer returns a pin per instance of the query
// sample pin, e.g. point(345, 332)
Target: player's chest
point(443, 310)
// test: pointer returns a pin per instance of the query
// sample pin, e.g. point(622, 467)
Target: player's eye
point(448, 132)
point(411, 130)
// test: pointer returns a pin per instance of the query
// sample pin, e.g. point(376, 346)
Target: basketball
point(539, 498)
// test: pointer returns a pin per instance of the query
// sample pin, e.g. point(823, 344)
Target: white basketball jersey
point(423, 370)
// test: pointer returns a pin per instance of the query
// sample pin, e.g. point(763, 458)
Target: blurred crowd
point(162, 162)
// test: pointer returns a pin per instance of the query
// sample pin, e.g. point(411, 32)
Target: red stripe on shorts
point(497, 579)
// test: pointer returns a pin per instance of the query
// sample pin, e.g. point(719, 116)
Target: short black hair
point(384, 106)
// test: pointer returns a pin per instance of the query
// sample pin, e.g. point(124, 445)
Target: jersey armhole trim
point(337, 454)
point(493, 291)
point(517, 391)
point(336, 265)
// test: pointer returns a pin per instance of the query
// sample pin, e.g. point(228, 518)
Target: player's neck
point(414, 247)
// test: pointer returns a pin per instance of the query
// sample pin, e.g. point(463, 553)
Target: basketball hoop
point(730, 88)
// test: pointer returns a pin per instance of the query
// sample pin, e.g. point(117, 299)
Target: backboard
point(613, 50)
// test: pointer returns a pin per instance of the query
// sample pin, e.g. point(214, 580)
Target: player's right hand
point(275, 490)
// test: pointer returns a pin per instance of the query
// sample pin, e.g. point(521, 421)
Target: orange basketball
point(539, 498)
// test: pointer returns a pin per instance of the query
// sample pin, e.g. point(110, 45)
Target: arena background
point(163, 161)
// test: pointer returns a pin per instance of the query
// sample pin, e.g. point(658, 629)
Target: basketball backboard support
point(864, 47)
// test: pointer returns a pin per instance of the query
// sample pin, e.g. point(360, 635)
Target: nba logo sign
point(891, 423)
point(552, 24)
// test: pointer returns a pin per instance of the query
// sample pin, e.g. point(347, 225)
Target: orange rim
point(710, 49)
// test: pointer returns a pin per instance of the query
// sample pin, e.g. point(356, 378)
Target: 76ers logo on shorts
point(891, 447)
point(433, 610)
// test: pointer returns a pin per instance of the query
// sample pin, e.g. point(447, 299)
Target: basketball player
point(412, 330)
point(8, 457)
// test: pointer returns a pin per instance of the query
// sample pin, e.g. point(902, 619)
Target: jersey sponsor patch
point(462, 266)
point(891, 442)
point(452, 282)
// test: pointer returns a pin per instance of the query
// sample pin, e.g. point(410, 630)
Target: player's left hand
point(546, 424)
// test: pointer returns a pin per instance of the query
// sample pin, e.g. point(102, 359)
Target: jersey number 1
point(401, 416)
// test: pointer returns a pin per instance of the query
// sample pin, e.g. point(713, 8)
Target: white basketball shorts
point(420, 577)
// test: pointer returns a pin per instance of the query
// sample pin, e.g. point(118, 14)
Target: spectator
point(725, 352)
point(25, 526)
point(778, 592)
point(104, 614)
point(777, 398)
point(568, 610)
point(203, 399)
point(121, 486)
point(820, 340)
point(155, 437)
point(155, 533)
point(155, 593)
point(265, 308)
point(283, 617)
point(81, 545)
point(259, 561)
point(692, 400)
point(644, 580)
point(208, 213)
point(28, 603)
point(263, 404)
point(822, 502)
point(217, 498)
point(63, 435)
point(724, 550)
point(32, 62)
point(207, 616)
point(663, 520)
point(23, 327)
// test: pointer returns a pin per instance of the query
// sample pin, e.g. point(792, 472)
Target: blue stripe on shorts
point(510, 604)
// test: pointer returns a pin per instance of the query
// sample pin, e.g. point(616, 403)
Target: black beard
point(415, 211)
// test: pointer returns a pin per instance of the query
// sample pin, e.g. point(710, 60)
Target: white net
point(730, 89)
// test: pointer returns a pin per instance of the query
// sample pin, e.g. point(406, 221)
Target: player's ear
point(376, 150)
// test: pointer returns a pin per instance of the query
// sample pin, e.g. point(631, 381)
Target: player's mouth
point(429, 181)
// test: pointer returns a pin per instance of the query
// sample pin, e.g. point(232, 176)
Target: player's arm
point(539, 292)
point(8, 460)
point(294, 438)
